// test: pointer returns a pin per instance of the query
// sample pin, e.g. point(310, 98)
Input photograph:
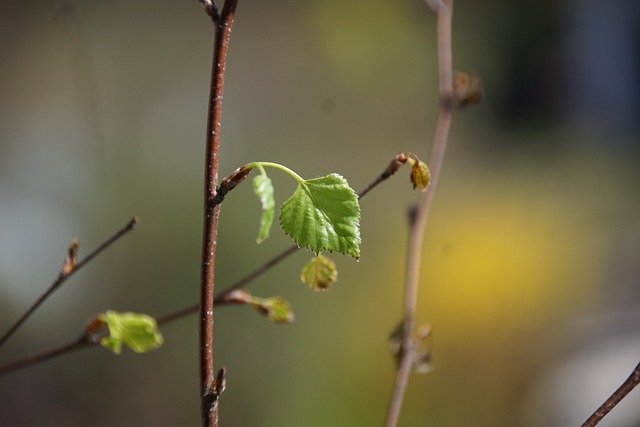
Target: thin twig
point(421, 213)
point(208, 395)
point(626, 387)
point(393, 167)
point(66, 348)
point(219, 299)
point(65, 274)
point(83, 343)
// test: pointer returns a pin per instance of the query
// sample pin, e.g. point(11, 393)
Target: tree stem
point(208, 397)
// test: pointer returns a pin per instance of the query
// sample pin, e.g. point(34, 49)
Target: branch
point(208, 389)
point(421, 212)
point(220, 299)
point(69, 267)
point(391, 169)
point(65, 348)
point(626, 387)
point(86, 340)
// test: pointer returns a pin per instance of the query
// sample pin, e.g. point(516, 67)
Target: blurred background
point(530, 274)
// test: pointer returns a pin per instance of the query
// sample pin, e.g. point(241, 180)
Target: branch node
point(229, 183)
point(211, 10)
point(213, 392)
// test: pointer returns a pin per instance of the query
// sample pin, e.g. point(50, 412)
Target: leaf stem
point(262, 165)
point(421, 213)
point(222, 23)
point(64, 275)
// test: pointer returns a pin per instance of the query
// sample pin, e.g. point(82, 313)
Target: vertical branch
point(421, 213)
point(208, 388)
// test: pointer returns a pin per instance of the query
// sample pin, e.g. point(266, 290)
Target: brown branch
point(86, 341)
point(391, 169)
point(65, 348)
point(68, 269)
point(421, 213)
point(219, 300)
point(208, 390)
point(626, 387)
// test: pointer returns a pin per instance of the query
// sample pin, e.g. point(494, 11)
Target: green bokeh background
point(103, 116)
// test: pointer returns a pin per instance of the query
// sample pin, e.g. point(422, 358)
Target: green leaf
point(323, 215)
point(319, 273)
point(263, 188)
point(420, 175)
point(137, 331)
point(277, 309)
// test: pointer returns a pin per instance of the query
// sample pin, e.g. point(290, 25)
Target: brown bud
point(467, 88)
point(70, 260)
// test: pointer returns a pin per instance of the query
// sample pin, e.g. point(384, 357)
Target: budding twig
point(69, 267)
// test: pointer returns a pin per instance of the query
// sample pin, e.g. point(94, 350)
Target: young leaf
point(263, 188)
point(319, 273)
point(277, 309)
point(420, 175)
point(323, 214)
point(137, 331)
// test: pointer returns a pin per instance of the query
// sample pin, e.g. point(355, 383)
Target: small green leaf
point(137, 331)
point(319, 273)
point(323, 215)
point(263, 188)
point(420, 175)
point(277, 309)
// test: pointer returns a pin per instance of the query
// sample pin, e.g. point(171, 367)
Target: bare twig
point(222, 23)
point(68, 269)
point(65, 348)
point(626, 387)
point(421, 213)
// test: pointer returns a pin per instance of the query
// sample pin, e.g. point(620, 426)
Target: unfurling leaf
point(277, 309)
point(323, 215)
point(319, 273)
point(263, 188)
point(137, 331)
point(420, 175)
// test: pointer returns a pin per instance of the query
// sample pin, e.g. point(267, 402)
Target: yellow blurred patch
point(363, 41)
point(501, 262)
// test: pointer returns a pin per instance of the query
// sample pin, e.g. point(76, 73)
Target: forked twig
point(69, 268)
point(219, 299)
